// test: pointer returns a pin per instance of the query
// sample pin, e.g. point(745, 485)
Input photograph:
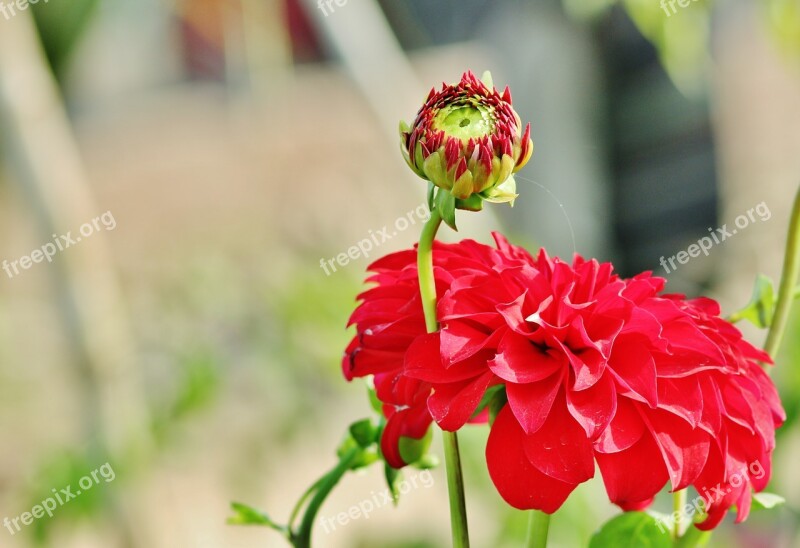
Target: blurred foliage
point(761, 308)
point(198, 388)
point(62, 470)
point(783, 17)
point(681, 35)
point(61, 25)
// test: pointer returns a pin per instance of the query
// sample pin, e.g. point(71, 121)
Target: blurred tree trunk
point(45, 162)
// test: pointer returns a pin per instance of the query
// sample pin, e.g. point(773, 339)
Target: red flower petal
point(594, 407)
point(634, 475)
point(531, 403)
point(520, 484)
point(451, 405)
point(519, 361)
point(559, 448)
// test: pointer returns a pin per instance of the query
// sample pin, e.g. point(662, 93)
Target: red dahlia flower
point(596, 368)
point(467, 139)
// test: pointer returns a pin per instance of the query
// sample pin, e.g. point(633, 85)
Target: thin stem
point(427, 284)
point(786, 292)
point(538, 527)
point(452, 458)
point(303, 499)
point(303, 537)
point(678, 502)
point(455, 489)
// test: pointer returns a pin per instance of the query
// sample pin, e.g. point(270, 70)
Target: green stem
point(452, 458)
point(455, 489)
point(427, 284)
point(791, 269)
point(303, 499)
point(538, 527)
point(303, 537)
point(678, 502)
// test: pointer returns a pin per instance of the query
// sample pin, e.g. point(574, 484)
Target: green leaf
point(761, 308)
point(364, 459)
point(247, 515)
point(431, 195)
point(411, 450)
point(486, 78)
point(766, 501)
point(632, 529)
point(347, 445)
point(393, 477)
point(446, 204)
point(503, 193)
point(427, 462)
point(473, 203)
point(364, 432)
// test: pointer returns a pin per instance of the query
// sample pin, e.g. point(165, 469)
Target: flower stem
point(427, 284)
point(303, 537)
point(452, 458)
point(538, 527)
point(678, 502)
point(786, 292)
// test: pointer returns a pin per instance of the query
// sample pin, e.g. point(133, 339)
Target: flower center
point(464, 122)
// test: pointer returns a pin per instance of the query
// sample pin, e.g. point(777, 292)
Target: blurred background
point(195, 346)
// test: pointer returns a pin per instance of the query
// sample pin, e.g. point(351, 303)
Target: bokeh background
point(196, 346)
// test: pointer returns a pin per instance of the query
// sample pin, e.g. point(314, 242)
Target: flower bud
point(468, 140)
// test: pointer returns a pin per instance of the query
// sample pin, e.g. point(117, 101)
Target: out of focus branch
point(41, 151)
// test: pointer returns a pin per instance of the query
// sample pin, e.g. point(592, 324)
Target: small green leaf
point(347, 445)
point(486, 78)
point(364, 459)
point(446, 204)
point(247, 515)
point(364, 432)
point(431, 194)
point(427, 462)
point(473, 203)
point(506, 192)
point(393, 477)
point(411, 450)
point(761, 308)
point(766, 501)
point(632, 529)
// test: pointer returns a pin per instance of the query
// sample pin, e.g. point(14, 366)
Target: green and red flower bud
point(468, 140)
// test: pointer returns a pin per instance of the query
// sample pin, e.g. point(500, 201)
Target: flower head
point(468, 140)
point(595, 369)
